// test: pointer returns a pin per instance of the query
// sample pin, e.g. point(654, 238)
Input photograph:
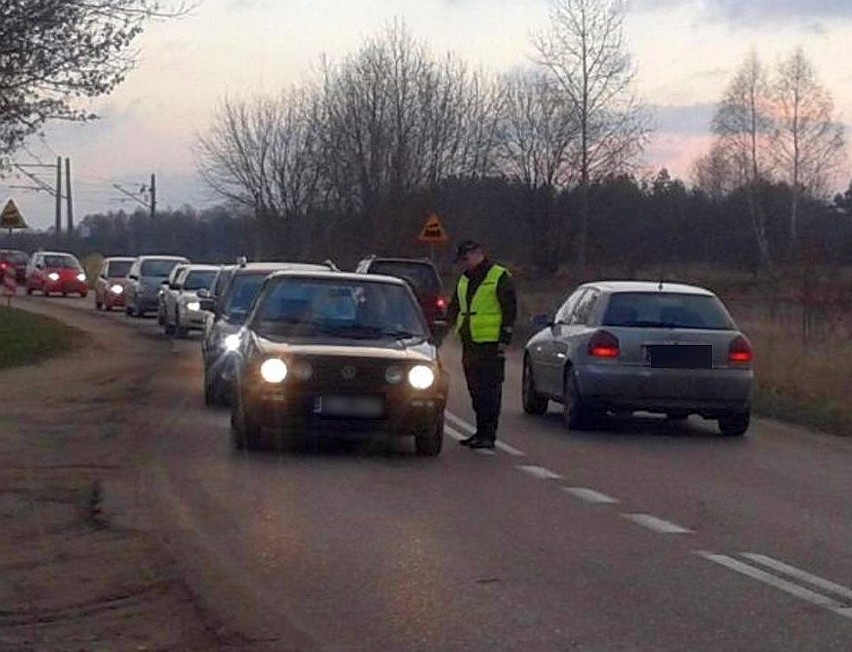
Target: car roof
point(341, 276)
point(120, 258)
point(615, 287)
point(182, 259)
point(202, 267)
point(398, 259)
point(268, 267)
point(56, 253)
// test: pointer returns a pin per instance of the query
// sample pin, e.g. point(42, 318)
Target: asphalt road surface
point(646, 535)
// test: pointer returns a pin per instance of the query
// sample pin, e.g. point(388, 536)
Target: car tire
point(245, 433)
point(83, 295)
point(734, 424)
point(215, 391)
point(576, 415)
point(29, 292)
point(137, 310)
point(128, 311)
point(533, 402)
point(430, 444)
point(168, 329)
point(98, 304)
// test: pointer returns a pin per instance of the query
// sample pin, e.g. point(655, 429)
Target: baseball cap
point(465, 247)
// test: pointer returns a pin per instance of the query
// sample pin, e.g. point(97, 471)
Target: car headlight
point(273, 370)
point(394, 376)
point(194, 306)
point(53, 276)
point(81, 277)
point(231, 342)
point(421, 377)
point(116, 289)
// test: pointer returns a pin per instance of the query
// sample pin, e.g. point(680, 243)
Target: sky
point(686, 51)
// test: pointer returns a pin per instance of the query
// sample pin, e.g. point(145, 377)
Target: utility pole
point(58, 196)
point(153, 196)
point(69, 205)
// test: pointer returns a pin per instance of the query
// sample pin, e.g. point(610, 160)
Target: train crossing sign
point(433, 231)
point(11, 217)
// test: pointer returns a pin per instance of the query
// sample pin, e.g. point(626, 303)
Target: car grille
point(347, 374)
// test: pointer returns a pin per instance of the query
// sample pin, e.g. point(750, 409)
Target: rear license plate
point(680, 356)
point(352, 407)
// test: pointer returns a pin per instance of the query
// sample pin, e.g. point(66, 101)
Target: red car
point(109, 286)
point(56, 272)
point(16, 260)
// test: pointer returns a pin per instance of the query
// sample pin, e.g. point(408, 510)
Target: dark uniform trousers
point(484, 371)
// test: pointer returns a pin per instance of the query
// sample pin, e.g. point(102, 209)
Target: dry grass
point(803, 367)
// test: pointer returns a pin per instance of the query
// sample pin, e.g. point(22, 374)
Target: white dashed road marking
point(538, 472)
point(460, 423)
point(455, 434)
point(798, 574)
point(464, 425)
point(509, 449)
point(589, 495)
point(777, 582)
point(657, 524)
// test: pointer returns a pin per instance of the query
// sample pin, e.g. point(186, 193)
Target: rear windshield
point(61, 262)
point(118, 268)
point(158, 267)
point(422, 276)
point(241, 293)
point(666, 310)
point(198, 279)
point(16, 257)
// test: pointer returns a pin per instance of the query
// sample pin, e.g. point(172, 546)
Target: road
point(643, 536)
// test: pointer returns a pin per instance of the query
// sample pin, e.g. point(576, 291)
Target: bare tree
point(808, 142)
point(742, 123)
point(53, 51)
point(586, 57)
point(537, 139)
point(261, 153)
point(714, 174)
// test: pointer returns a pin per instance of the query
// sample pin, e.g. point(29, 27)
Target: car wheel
point(734, 424)
point(180, 331)
point(431, 443)
point(168, 329)
point(83, 295)
point(98, 304)
point(29, 292)
point(575, 413)
point(245, 432)
point(128, 311)
point(533, 402)
point(137, 309)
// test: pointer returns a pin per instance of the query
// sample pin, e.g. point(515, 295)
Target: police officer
point(483, 309)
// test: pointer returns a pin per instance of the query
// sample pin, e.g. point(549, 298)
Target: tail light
point(740, 351)
point(604, 345)
point(441, 303)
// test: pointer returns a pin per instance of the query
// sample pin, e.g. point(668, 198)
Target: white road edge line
point(795, 573)
point(776, 582)
point(464, 425)
point(657, 524)
point(589, 495)
point(460, 423)
point(455, 434)
point(538, 472)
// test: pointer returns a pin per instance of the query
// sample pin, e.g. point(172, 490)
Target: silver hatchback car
point(628, 346)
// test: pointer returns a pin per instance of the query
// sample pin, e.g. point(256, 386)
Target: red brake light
point(441, 303)
point(740, 351)
point(604, 345)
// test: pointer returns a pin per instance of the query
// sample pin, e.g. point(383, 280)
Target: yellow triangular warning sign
point(11, 217)
point(433, 231)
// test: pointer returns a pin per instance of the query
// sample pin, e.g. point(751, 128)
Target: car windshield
point(666, 310)
point(198, 279)
point(422, 276)
point(241, 293)
point(339, 308)
point(158, 267)
point(61, 262)
point(118, 268)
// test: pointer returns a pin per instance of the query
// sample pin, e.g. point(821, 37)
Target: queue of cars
point(297, 347)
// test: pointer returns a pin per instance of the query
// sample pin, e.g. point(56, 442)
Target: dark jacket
point(508, 305)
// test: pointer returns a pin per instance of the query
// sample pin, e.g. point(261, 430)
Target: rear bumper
point(704, 391)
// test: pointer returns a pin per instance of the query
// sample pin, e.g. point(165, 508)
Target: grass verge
point(26, 338)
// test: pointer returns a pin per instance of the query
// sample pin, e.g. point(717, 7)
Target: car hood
point(395, 350)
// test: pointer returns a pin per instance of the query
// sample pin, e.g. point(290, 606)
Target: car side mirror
point(207, 303)
point(133, 277)
point(203, 293)
point(39, 265)
point(540, 322)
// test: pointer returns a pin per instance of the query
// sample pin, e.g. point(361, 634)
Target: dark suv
point(422, 275)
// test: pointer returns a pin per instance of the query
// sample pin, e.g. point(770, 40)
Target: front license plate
point(352, 407)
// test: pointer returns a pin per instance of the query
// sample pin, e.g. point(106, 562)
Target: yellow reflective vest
point(485, 314)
